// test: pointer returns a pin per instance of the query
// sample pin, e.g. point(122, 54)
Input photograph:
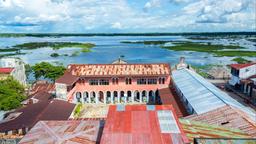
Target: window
point(161, 80)
point(93, 82)
point(115, 80)
point(128, 81)
point(141, 81)
point(104, 82)
point(152, 81)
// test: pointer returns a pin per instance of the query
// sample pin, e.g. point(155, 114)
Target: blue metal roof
point(202, 95)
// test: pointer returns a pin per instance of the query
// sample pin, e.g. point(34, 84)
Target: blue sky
point(97, 16)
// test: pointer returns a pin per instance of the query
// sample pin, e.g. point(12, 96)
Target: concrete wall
point(247, 72)
point(61, 91)
point(19, 68)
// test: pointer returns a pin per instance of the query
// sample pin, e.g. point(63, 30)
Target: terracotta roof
point(227, 116)
point(67, 78)
point(240, 66)
point(142, 124)
point(6, 70)
point(196, 129)
point(64, 132)
point(119, 69)
point(44, 110)
point(169, 97)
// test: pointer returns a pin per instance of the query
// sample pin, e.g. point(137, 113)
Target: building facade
point(13, 67)
point(113, 83)
point(243, 79)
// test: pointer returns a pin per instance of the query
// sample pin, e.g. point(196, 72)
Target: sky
point(124, 16)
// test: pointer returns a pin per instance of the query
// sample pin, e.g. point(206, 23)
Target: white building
point(241, 71)
point(17, 67)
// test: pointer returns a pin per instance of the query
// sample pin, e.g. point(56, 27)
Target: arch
point(115, 96)
point(163, 80)
point(122, 97)
point(151, 96)
point(144, 96)
point(78, 96)
point(93, 97)
point(101, 96)
point(157, 97)
point(129, 96)
point(108, 97)
point(86, 97)
point(137, 96)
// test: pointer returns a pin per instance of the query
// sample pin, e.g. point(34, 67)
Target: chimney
point(182, 60)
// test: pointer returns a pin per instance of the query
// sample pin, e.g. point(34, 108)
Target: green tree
point(11, 94)
point(47, 70)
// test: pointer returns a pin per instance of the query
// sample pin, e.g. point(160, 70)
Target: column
point(82, 97)
point(140, 97)
point(112, 98)
point(89, 97)
point(118, 97)
point(97, 98)
point(125, 97)
point(105, 98)
point(132, 96)
point(147, 98)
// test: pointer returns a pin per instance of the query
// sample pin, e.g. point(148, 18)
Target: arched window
point(78, 96)
point(128, 81)
point(115, 80)
point(163, 80)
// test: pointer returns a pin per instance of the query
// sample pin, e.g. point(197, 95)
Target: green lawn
point(241, 60)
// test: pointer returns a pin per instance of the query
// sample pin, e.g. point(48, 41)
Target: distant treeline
point(127, 34)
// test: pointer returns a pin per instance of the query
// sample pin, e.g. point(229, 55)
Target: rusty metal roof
point(196, 129)
point(142, 124)
point(229, 117)
point(64, 132)
point(168, 96)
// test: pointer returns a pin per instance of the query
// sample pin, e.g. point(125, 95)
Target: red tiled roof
point(141, 124)
point(119, 69)
point(169, 98)
point(240, 66)
point(6, 70)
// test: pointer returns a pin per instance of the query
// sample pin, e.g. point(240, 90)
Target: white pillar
point(97, 98)
point(82, 97)
point(105, 98)
point(132, 96)
point(111, 97)
point(140, 97)
point(118, 97)
point(125, 97)
point(89, 97)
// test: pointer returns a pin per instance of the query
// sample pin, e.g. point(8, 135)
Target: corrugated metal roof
point(229, 117)
point(196, 129)
point(141, 124)
point(204, 96)
point(64, 132)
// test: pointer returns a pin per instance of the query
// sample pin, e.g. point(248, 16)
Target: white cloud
point(98, 15)
point(117, 25)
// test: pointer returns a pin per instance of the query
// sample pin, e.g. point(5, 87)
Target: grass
point(146, 42)
point(241, 60)
point(215, 49)
point(78, 109)
point(9, 49)
point(54, 55)
point(54, 45)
